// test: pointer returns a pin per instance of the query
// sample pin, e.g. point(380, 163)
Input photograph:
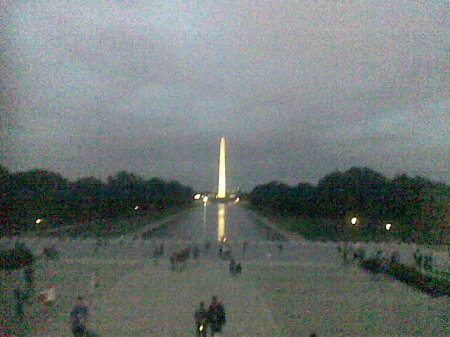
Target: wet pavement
point(287, 287)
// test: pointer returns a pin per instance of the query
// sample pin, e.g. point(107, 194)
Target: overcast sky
point(299, 88)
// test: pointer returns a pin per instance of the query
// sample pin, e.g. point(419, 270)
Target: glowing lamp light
point(197, 196)
point(136, 208)
point(205, 199)
point(388, 226)
point(38, 221)
point(237, 199)
point(354, 220)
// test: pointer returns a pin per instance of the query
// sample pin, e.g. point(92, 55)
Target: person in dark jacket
point(78, 318)
point(196, 252)
point(238, 268)
point(201, 320)
point(216, 316)
point(20, 296)
point(245, 246)
point(28, 277)
point(232, 266)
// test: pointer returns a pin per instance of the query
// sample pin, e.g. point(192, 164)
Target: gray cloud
point(299, 88)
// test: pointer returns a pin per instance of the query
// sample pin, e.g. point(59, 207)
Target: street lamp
point(38, 221)
point(388, 226)
point(354, 220)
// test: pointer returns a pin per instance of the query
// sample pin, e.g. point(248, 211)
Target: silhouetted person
point(28, 277)
point(19, 296)
point(201, 320)
point(238, 268)
point(48, 298)
point(427, 263)
point(385, 266)
point(207, 245)
point(245, 246)
point(94, 282)
point(280, 247)
point(158, 251)
point(395, 257)
point(345, 253)
point(418, 259)
point(78, 318)
point(227, 251)
point(216, 316)
point(196, 252)
point(98, 244)
point(232, 266)
point(359, 254)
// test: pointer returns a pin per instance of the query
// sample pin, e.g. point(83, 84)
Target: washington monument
point(222, 193)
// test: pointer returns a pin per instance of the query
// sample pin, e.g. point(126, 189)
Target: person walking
point(196, 252)
point(245, 246)
point(94, 284)
point(78, 318)
point(48, 298)
point(28, 277)
point(345, 253)
point(172, 262)
point(238, 268)
point(418, 259)
point(216, 316)
point(19, 296)
point(201, 321)
point(280, 248)
point(232, 266)
point(227, 251)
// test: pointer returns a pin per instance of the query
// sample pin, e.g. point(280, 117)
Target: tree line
point(417, 208)
point(30, 195)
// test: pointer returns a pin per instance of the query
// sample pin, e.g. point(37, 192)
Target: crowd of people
point(422, 262)
point(179, 257)
point(211, 319)
point(214, 318)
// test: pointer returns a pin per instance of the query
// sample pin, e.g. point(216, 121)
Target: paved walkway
point(305, 288)
point(161, 302)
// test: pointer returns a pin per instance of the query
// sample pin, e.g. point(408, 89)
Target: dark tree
point(418, 207)
point(27, 196)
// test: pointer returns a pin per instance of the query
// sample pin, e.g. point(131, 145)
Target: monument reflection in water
point(221, 222)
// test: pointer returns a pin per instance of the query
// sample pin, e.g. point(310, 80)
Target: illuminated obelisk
point(222, 193)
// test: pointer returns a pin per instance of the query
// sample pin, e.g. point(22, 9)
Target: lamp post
point(204, 218)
